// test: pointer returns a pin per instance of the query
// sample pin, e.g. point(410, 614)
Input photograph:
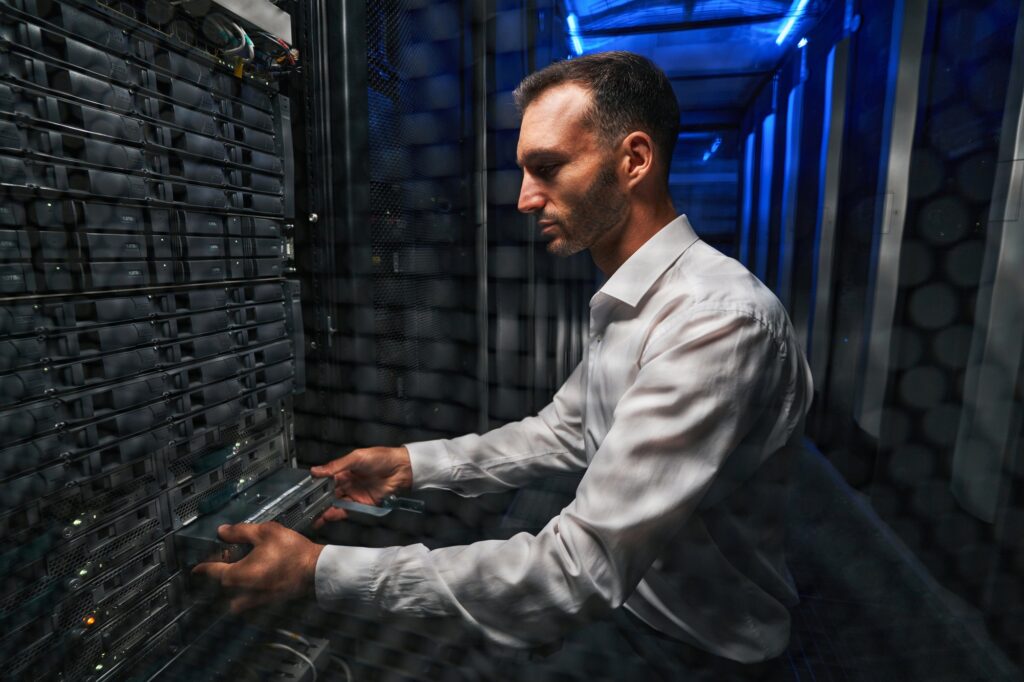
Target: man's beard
point(600, 208)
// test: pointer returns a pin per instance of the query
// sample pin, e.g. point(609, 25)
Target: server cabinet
point(150, 340)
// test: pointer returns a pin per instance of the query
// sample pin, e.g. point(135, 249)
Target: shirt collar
point(635, 277)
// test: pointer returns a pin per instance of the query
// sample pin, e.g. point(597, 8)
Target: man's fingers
point(211, 569)
point(330, 514)
point(240, 533)
point(248, 600)
point(331, 468)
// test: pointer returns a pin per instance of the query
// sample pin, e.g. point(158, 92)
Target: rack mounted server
point(150, 336)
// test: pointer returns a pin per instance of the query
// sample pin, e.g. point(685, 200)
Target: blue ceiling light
point(574, 34)
point(802, 43)
point(714, 148)
point(794, 12)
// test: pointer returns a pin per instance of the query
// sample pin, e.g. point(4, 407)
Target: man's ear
point(638, 156)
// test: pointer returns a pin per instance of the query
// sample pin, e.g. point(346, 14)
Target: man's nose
point(530, 198)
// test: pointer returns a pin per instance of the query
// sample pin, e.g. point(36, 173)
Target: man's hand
point(367, 475)
point(280, 566)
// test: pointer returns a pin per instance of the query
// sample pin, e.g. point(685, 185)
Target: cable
point(225, 32)
point(344, 666)
point(304, 657)
point(287, 51)
point(247, 46)
point(296, 636)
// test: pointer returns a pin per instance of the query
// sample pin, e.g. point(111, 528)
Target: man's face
point(569, 173)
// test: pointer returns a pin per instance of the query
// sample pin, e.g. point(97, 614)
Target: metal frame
point(685, 77)
point(836, 79)
point(764, 196)
point(334, 36)
point(787, 229)
point(900, 119)
point(747, 215)
point(990, 421)
point(481, 66)
point(695, 25)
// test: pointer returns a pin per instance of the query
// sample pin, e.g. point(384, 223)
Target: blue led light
point(574, 33)
point(714, 148)
point(794, 12)
point(802, 43)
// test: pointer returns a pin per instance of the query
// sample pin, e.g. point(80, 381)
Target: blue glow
point(574, 33)
point(794, 12)
point(714, 148)
point(748, 198)
point(802, 43)
point(764, 198)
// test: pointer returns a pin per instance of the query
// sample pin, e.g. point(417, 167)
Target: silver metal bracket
point(387, 505)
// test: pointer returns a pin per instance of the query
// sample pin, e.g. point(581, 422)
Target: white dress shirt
point(684, 414)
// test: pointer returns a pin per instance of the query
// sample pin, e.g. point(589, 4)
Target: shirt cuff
point(346, 575)
point(431, 465)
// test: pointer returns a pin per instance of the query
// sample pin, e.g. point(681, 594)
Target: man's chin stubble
point(560, 247)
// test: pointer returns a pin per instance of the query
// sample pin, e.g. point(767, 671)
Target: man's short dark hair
point(629, 92)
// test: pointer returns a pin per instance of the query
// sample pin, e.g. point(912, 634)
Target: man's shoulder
point(705, 280)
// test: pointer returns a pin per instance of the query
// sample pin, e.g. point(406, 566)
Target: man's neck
point(643, 222)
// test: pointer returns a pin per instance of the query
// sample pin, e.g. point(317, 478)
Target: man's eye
point(546, 171)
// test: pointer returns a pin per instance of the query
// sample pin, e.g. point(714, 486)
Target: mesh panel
point(101, 504)
point(28, 593)
point(71, 613)
point(182, 468)
point(127, 541)
point(25, 657)
point(188, 511)
point(394, 225)
point(66, 563)
point(259, 469)
point(153, 605)
point(83, 659)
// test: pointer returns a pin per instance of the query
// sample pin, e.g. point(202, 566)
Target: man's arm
point(510, 456)
point(507, 457)
point(702, 386)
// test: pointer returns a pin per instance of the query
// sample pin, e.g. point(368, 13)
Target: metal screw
point(313, 217)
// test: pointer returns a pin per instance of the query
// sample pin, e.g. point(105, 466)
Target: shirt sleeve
point(510, 456)
point(700, 387)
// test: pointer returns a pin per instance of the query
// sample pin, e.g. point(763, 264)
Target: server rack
point(150, 336)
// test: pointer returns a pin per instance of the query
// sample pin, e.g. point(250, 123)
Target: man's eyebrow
point(539, 157)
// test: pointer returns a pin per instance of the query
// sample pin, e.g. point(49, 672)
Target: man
point(683, 416)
